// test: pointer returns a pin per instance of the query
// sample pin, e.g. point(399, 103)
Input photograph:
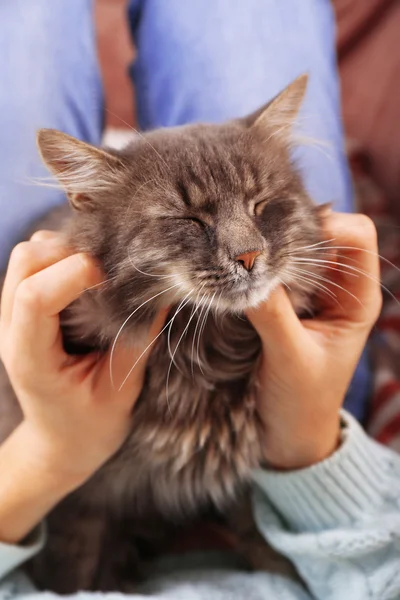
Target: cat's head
point(199, 213)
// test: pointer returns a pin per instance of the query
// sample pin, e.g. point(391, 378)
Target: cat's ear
point(279, 115)
point(83, 170)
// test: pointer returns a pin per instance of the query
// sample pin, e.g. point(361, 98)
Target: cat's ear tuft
point(83, 170)
point(279, 115)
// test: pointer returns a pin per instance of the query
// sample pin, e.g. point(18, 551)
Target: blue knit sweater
point(338, 522)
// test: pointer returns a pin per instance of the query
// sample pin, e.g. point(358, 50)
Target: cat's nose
point(247, 259)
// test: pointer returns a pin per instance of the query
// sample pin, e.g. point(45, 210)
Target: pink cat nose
point(248, 259)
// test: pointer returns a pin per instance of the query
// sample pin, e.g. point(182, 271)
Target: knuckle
point(21, 254)
point(8, 356)
point(90, 271)
point(85, 263)
point(28, 295)
point(11, 362)
point(368, 229)
point(16, 368)
point(42, 235)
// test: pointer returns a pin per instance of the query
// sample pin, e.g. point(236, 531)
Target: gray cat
point(207, 219)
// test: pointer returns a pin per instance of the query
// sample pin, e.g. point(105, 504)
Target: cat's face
point(204, 214)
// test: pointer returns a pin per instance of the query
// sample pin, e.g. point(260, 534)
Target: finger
point(38, 301)
point(277, 324)
point(356, 280)
point(27, 259)
point(44, 235)
point(129, 362)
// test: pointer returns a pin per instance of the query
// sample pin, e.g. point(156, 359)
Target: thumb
point(277, 323)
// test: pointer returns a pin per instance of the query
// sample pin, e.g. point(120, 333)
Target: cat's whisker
point(202, 326)
point(331, 255)
point(196, 301)
point(334, 297)
point(282, 282)
point(128, 319)
point(203, 305)
point(158, 275)
point(318, 286)
point(196, 305)
point(142, 354)
point(146, 349)
point(353, 271)
point(315, 245)
point(340, 287)
point(312, 263)
point(175, 350)
point(97, 285)
point(216, 310)
point(371, 252)
point(182, 305)
point(308, 277)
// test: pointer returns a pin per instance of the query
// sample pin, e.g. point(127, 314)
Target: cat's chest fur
point(195, 430)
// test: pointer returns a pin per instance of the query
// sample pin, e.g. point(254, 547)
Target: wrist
point(302, 449)
point(30, 486)
point(37, 458)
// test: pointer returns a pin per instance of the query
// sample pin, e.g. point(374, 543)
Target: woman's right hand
point(307, 365)
point(74, 419)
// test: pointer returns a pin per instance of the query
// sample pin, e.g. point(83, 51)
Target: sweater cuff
point(12, 556)
point(348, 486)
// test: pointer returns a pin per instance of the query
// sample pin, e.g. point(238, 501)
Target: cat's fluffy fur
point(167, 217)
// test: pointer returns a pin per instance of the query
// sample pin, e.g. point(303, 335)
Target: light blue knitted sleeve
point(338, 521)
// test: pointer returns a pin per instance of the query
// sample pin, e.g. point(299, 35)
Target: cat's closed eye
point(194, 221)
point(276, 208)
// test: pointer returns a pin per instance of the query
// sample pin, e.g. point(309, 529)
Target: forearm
point(29, 489)
point(329, 517)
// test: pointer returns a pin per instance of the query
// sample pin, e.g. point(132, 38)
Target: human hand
point(307, 365)
point(74, 420)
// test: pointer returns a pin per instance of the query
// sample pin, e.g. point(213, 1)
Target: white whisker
point(202, 326)
point(182, 305)
point(315, 283)
point(324, 264)
point(97, 285)
point(315, 245)
point(126, 321)
point(363, 250)
point(158, 275)
point(174, 353)
point(145, 350)
point(203, 306)
point(355, 272)
point(320, 277)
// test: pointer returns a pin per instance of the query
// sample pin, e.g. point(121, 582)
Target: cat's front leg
point(69, 561)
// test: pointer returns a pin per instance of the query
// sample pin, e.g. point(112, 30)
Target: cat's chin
point(242, 301)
